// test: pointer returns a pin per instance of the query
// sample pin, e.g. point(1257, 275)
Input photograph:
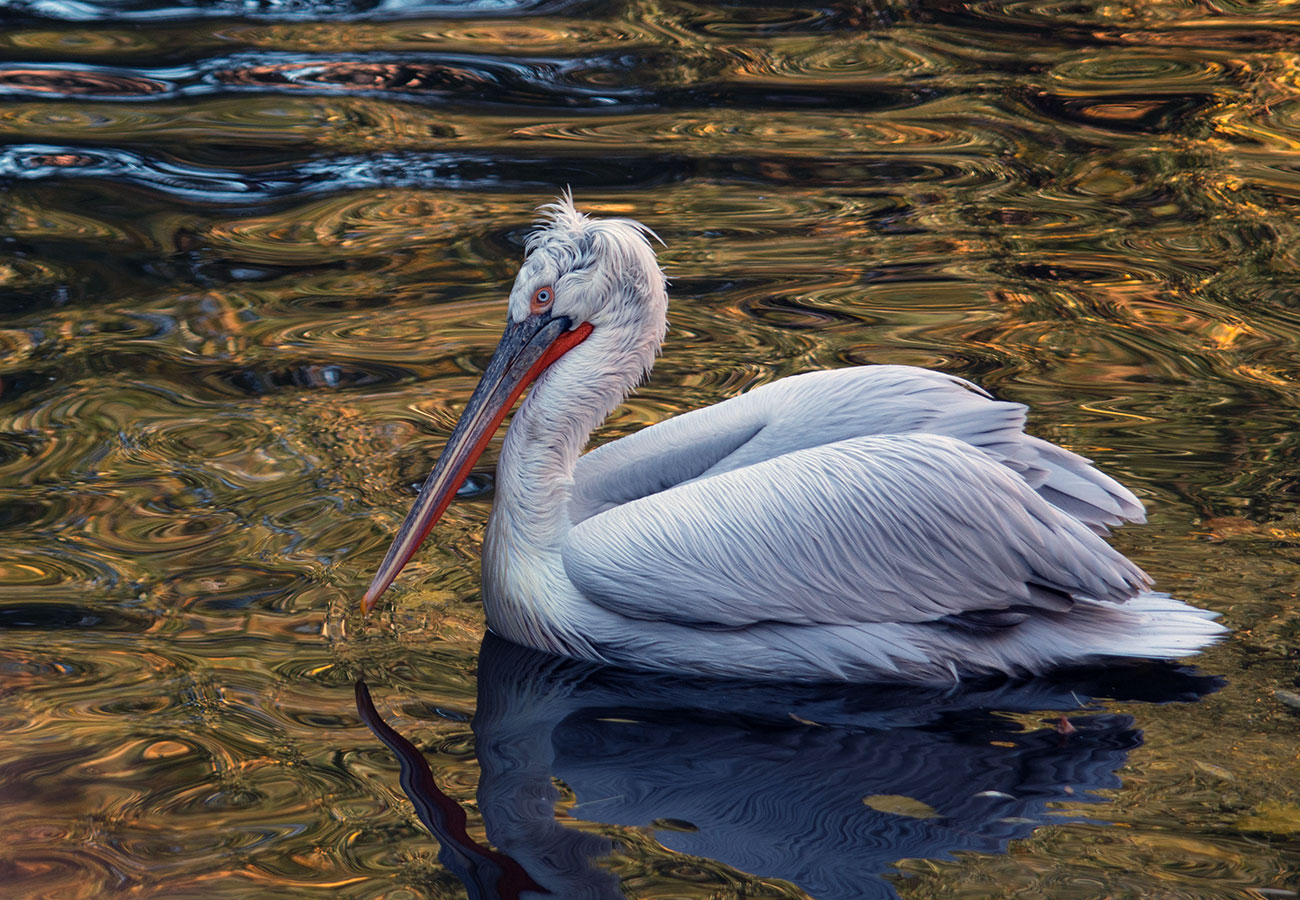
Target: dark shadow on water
point(825, 786)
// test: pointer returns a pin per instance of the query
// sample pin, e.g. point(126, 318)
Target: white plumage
point(879, 522)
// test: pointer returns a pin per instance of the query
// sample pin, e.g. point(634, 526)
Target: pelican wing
point(824, 407)
point(891, 528)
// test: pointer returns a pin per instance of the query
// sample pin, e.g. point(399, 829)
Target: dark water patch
point(72, 287)
point(21, 514)
point(42, 163)
point(342, 304)
point(253, 187)
point(419, 709)
point(593, 83)
point(76, 81)
point(16, 446)
point(15, 384)
point(1132, 113)
point(59, 616)
point(1142, 682)
point(287, 10)
point(256, 382)
point(858, 98)
point(507, 82)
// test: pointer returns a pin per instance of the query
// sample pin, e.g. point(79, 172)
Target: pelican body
point(866, 524)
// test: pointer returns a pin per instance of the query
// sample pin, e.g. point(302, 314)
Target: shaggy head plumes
point(601, 271)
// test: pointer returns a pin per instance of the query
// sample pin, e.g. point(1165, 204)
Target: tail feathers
point(1150, 626)
point(1168, 629)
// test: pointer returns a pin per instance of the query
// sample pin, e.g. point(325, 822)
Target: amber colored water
point(252, 256)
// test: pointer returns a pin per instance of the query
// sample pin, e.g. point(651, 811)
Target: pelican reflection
point(822, 786)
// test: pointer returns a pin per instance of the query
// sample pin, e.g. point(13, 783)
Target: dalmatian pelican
point(870, 523)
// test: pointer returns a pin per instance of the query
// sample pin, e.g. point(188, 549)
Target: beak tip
point(369, 600)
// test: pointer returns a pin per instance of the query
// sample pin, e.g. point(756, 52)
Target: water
point(252, 256)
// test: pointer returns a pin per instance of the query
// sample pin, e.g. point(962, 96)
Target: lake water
point(253, 255)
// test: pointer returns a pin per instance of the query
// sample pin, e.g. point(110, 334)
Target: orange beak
point(527, 348)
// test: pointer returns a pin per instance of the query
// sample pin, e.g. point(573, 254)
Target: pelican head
point(583, 281)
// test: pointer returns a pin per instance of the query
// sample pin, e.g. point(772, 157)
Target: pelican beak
point(526, 349)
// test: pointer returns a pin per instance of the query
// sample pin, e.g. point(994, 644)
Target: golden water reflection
point(251, 262)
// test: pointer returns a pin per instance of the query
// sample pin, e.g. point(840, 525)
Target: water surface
point(253, 256)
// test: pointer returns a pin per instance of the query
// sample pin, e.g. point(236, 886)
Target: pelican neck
point(547, 436)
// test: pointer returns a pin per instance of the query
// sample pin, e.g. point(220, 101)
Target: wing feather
point(824, 407)
point(896, 528)
point(661, 456)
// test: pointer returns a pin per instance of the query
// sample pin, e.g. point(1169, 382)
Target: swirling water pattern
point(252, 256)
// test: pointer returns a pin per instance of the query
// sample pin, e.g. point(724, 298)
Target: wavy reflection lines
point(161, 772)
point(195, 485)
point(591, 82)
point(253, 256)
point(738, 773)
point(43, 163)
point(40, 162)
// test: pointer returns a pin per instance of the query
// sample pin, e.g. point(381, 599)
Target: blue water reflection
point(822, 786)
point(209, 184)
point(143, 10)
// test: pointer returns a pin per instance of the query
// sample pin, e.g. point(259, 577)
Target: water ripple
point(141, 10)
point(593, 82)
point(254, 256)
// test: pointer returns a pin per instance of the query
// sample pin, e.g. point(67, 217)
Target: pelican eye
point(542, 298)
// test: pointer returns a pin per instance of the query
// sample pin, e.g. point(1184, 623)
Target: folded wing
point(825, 407)
point(890, 528)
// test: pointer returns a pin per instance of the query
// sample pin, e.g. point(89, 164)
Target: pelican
point(874, 523)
